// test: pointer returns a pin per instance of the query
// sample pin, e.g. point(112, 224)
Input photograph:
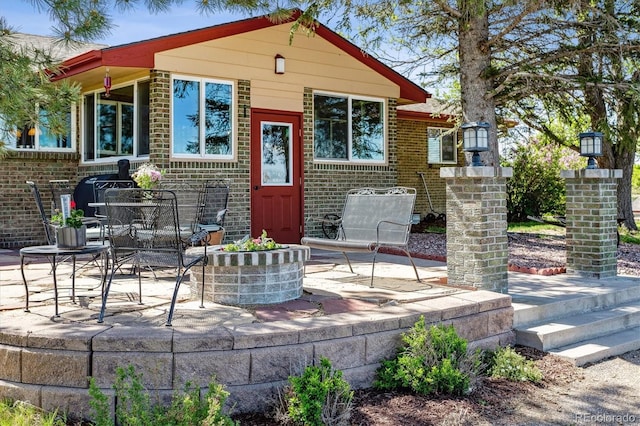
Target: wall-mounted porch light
point(279, 64)
point(107, 84)
point(591, 146)
point(476, 139)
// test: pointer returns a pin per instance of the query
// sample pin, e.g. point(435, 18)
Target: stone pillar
point(477, 244)
point(592, 214)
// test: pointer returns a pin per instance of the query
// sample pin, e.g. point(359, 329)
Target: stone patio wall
point(50, 364)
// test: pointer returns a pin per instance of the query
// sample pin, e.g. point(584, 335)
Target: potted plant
point(71, 232)
point(147, 176)
point(253, 244)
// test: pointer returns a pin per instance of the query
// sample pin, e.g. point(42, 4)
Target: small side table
point(52, 251)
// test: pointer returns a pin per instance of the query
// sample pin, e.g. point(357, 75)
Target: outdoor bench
point(371, 219)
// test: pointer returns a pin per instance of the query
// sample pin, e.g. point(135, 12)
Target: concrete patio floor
point(329, 288)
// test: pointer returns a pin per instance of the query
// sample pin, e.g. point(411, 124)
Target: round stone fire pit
point(253, 278)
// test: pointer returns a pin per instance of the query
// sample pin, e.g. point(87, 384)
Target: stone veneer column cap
point(476, 172)
point(591, 174)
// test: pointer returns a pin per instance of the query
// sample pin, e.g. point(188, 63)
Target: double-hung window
point(202, 118)
point(39, 138)
point(117, 125)
point(348, 128)
point(441, 145)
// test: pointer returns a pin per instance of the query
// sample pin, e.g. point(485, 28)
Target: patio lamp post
point(591, 213)
point(591, 146)
point(477, 213)
point(475, 136)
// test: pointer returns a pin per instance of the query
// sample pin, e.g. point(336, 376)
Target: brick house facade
point(324, 183)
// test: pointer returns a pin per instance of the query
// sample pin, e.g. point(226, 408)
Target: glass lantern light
point(591, 147)
point(476, 139)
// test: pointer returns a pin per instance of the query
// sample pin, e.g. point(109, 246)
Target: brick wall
point(477, 244)
point(327, 184)
point(412, 158)
point(235, 173)
point(591, 218)
point(20, 222)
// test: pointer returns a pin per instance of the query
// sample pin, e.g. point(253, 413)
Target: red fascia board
point(417, 115)
point(408, 89)
point(79, 64)
point(142, 54)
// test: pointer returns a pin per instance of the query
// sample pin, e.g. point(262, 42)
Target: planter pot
point(70, 238)
point(214, 238)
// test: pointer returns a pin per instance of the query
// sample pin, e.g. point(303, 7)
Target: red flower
point(73, 204)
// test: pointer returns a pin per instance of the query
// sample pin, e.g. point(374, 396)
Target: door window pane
point(126, 130)
point(117, 125)
point(276, 153)
point(89, 127)
point(142, 105)
point(107, 131)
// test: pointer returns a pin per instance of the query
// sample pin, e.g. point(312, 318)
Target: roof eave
point(419, 115)
point(141, 54)
point(408, 89)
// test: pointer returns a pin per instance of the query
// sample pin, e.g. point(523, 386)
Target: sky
point(130, 27)
point(23, 17)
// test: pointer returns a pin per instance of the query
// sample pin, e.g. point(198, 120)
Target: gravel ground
point(606, 393)
point(530, 250)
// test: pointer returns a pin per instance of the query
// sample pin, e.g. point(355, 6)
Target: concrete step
point(537, 308)
point(579, 327)
point(599, 348)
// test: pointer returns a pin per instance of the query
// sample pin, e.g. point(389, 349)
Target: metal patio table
point(52, 252)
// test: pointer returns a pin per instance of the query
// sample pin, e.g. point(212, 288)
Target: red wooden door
point(276, 175)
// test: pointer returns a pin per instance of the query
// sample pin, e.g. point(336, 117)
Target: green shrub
point(21, 413)
point(134, 405)
point(536, 187)
point(430, 361)
point(319, 397)
point(510, 365)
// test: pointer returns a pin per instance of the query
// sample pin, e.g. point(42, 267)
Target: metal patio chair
point(189, 198)
point(99, 188)
point(49, 228)
point(143, 230)
point(214, 206)
point(59, 187)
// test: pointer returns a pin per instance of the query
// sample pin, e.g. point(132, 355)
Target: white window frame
point(201, 111)
point(11, 142)
point(118, 134)
point(350, 99)
point(114, 158)
point(435, 145)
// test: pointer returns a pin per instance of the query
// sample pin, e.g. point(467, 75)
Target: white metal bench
point(372, 218)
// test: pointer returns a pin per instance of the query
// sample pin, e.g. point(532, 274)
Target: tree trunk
point(475, 83)
point(624, 161)
point(621, 155)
